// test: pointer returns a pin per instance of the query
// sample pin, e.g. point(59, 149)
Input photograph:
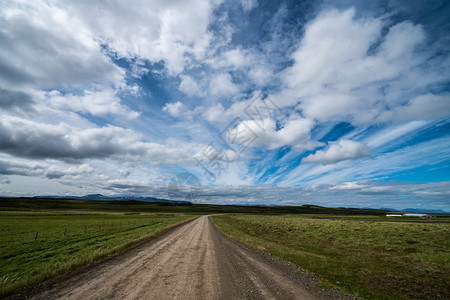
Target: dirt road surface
point(193, 261)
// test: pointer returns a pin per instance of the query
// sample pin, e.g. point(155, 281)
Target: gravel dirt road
point(192, 261)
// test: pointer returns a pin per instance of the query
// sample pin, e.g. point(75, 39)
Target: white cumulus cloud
point(174, 109)
point(339, 151)
point(265, 134)
point(359, 69)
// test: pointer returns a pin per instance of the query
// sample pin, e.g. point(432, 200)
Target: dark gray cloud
point(24, 138)
point(132, 188)
point(7, 168)
point(40, 49)
point(44, 169)
point(13, 100)
point(37, 140)
point(5, 180)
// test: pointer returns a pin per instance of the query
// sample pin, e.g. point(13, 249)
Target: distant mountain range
point(109, 198)
point(152, 199)
point(420, 210)
point(417, 210)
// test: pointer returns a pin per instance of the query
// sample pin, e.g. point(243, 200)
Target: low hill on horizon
point(147, 204)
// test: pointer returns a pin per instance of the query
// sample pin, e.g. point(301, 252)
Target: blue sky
point(335, 103)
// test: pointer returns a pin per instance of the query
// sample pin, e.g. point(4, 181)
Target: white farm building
point(411, 215)
point(418, 215)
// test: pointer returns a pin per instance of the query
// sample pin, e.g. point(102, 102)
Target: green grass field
point(42, 238)
point(374, 257)
point(38, 245)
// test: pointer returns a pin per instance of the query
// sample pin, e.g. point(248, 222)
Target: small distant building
point(411, 215)
point(418, 215)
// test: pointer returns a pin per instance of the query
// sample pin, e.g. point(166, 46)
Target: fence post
point(35, 238)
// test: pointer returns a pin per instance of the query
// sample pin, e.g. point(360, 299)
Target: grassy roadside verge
point(37, 246)
point(374, 257)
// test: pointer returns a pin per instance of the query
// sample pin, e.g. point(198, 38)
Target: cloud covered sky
point(289, 102)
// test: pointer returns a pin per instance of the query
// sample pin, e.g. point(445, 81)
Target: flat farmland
point(39, 245)
point(374, 257)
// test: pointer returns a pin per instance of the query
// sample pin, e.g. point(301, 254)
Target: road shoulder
point(78, 273)
point(305, 280)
